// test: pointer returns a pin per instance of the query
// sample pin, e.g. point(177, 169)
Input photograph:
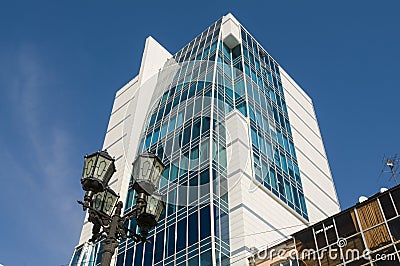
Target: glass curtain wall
point(259, 95)
point(186, 130)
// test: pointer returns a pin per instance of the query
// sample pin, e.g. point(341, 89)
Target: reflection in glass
point(377, 237)
point(387, 206)
point(346, 224)
point(394, 227)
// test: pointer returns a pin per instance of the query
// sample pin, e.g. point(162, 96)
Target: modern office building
point(365, 234)
point(245, 161)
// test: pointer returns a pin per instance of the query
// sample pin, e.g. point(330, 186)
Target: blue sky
point(62, 61)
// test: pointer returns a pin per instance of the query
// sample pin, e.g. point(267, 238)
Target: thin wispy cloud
point(41, 163)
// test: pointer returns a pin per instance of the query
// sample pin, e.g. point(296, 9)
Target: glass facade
point(186, 129)
point(274, 155)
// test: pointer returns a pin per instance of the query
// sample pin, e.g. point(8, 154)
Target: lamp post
point(105, 209)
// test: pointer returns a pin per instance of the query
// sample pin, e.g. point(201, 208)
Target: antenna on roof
point(391, 166)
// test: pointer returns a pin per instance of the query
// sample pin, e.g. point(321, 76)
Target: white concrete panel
point(318, 186)
point(230, 31)
point(256, 216)
point(130, 107)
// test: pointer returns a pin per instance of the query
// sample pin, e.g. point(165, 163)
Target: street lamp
point(105, 201)
point(97, 171)
point(147, 170)
point(147, 217)
point(101, 201)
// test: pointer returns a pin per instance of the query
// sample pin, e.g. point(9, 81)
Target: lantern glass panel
point(89, 165)
point(147, 169)
point(155, 206)
point(110, 199)
point(158, 168)
point(144, 168)
point(102, 166)
point(97, 201)
point(97, 171)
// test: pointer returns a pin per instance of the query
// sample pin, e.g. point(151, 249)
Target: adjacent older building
point(245, 161)
point(365, 234)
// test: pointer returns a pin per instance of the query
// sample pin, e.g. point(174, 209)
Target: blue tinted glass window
point(288, 191)
point(129, 256)
point(261, 142)
point(193, 189)
point(302, 202)
point(206, 259)
point(226, 51)
point(204, 183)
point(155, 135)
point(192, 90)
point(171, 125)
point(297, 173)
point(153, 119)
point(171, 208)
point(276, 116)
point(148, 254)
point(196, 130)
point(292, 152)
point(170, 241)
point(179, 120)
point(181, 235)
point(273, 178)
point(205, 226)
point(286, 143)
point(194, 157)
point(254, 137)
point(247, 69)
point(264, 168)
point(280, 139)
point(277, 158)
point(282, 120)
point(186, 135)
point(205, 124)
point(252, 115)
point(148, 141)
point(269, 149)
point(138, 255)
point(265, 124)
point(242, 108)
point(239, 88)
point(163, 131)
point(213, 47)
point(288, 127)
point(290, 167)
point(173, 172)
point(76, 256)
point(236, 52)
point(184, 95)
point(296, 197)
point(280, 185)
point(120, 260)
point(193, 229)
point(194, 261)
point(283, 163)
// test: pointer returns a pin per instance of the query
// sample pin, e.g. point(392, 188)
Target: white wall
point(257, 217)
point(131, 105)
point(318, 185)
